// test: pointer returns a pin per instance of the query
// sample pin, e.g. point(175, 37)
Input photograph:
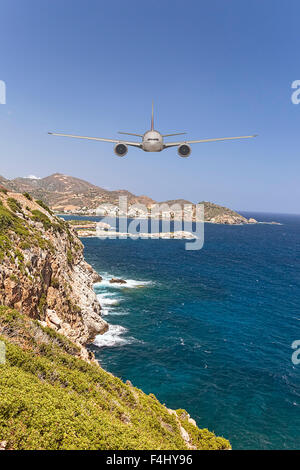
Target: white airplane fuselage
point(152, 141)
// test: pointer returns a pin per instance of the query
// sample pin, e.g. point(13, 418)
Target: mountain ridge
point(69, 194)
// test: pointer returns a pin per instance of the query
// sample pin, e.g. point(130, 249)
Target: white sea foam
point(113, 337)
point(116, 313)
point(107, 300)
point(130, 283)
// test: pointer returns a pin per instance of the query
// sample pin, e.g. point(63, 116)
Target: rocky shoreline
point(180, 234)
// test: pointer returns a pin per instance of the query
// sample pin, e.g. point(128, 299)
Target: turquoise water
point(211, 330)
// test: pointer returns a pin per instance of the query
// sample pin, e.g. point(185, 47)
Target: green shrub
point(70, 258)
point(19, 255)
point(27, 195)
point(54, 283)
point(14, 205)
point(42, 303)
point(44, 206)
point(5, 221)
point(39, 216)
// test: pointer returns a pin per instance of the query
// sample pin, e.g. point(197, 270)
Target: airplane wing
point(175, 144)
point(134, 144)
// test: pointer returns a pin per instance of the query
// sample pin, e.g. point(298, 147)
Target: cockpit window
point(154, 139)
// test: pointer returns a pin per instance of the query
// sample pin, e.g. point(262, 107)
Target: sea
point(210, 331)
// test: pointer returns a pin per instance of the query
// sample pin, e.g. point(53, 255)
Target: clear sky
point(213, 68)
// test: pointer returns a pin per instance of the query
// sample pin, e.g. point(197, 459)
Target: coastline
point(251, 221)
point(109, 296)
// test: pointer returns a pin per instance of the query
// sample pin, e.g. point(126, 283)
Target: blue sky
point(213, 68)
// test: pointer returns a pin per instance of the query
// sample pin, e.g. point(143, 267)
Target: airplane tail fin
point(152, 119)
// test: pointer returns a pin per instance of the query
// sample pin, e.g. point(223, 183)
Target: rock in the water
point(117, 281)
point(252, 221)
point(96, 278)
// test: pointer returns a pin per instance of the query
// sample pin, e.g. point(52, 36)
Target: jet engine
point(121, 150)
point(184, 150)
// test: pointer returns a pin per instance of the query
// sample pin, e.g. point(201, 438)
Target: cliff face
point(42, 270)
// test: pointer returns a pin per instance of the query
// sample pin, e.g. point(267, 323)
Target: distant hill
point(65, 193)
point(3, 180)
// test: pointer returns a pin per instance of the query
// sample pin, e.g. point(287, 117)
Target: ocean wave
point(106, 300)
point(113, 337)
point(130, 283)
point(115, 313)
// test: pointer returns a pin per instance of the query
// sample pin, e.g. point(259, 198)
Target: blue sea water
point(211, 330)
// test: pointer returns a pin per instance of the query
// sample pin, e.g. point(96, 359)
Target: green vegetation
point(54, 283)
point(81, 222)
point(202, 438)
point(58, 226)
point(14, 205)
point(44, 206)
point(42, 304)
point(5, 221)
point(70, 258)
point(214, 210)
point(51, 399)
point(11, 223)
point(27, 195)
point(39, 216)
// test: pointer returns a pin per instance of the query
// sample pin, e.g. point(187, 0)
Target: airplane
point(152, 141)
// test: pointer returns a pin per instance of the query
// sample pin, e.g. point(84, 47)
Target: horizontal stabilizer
point(178, 133)
point(130, 133)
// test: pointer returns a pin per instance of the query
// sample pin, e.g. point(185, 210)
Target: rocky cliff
point(42, 270)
